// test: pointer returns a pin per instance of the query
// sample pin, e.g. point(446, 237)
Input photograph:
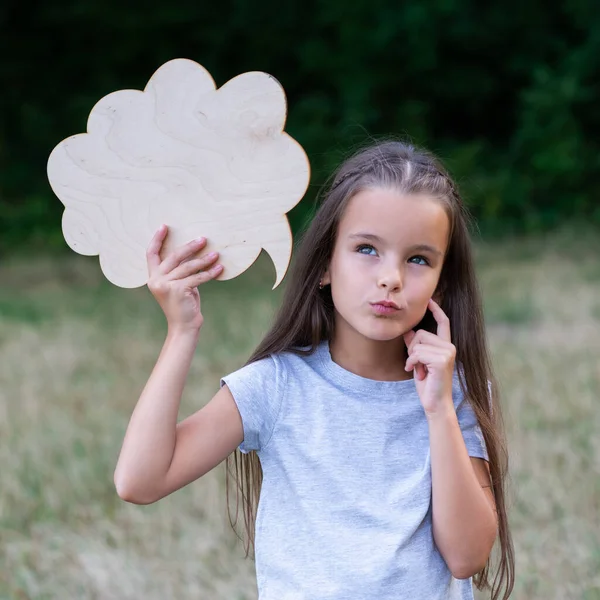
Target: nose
point(390, 278)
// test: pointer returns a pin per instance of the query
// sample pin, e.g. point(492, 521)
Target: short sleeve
point(469, 426)
point(257, 389)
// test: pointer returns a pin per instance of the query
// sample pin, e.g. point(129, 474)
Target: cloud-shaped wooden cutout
point(205, 161)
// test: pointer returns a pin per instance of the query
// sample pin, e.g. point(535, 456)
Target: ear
point(326, 279)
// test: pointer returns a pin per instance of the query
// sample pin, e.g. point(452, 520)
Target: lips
point(385, 308)
point(386, 304)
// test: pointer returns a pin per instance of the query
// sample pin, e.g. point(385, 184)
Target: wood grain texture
point(205, 161)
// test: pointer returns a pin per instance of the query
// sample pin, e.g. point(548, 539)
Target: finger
point(426, 348)
point(428, 356)
point(202, 277)
point(443, 322)
point(426, 337)
point(181, 253)
point(153, 250)
point(190, 267)
point(420, 372)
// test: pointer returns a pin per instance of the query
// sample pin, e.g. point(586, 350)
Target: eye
point(422, 258)
point(362, 247)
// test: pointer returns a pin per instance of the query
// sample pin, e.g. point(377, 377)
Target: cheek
point(348, 283)
point(345, 272)
point(419, 291)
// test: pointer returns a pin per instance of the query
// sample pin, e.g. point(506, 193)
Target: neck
point(372, 359)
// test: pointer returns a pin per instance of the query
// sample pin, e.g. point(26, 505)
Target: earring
point(320, 284)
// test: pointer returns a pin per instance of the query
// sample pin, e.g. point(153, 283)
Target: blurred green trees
point(506, 92)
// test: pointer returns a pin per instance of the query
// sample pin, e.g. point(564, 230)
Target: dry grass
point(75, 353)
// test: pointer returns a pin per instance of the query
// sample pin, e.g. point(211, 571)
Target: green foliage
point(505, 92)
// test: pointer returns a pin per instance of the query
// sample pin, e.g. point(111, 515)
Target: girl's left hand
point(432, 358)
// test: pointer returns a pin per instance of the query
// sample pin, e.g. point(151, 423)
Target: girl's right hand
point(174, 281)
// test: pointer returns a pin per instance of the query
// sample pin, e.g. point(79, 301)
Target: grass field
point(75, 353)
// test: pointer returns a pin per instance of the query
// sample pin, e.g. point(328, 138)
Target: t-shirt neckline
point(355, 382)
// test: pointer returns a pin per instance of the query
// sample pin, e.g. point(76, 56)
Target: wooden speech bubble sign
point(204, 161)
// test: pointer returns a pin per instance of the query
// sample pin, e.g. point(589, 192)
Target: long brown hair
point(306, 317)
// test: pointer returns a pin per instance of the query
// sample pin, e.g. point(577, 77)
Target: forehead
point(397, 218)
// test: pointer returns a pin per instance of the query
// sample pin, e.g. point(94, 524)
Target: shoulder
point(276, 369)
point(457, 392)
point(458, 395)
point(261, 371)
point(275, 365)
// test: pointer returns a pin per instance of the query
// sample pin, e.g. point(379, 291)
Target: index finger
point(443, 322)
point(152, 253)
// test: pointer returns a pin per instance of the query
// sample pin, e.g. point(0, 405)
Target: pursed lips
point(386, 303)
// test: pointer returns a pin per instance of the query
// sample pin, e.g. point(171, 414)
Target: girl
point(370, 407)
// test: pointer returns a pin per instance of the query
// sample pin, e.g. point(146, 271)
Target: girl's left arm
point(463, 507)
point(463, 512)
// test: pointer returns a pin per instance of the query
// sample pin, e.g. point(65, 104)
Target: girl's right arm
point(158, 455)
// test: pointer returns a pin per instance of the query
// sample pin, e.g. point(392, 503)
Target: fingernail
point(212, 255)
point(200, 240)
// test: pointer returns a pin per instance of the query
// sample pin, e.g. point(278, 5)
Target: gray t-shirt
point(345, 504)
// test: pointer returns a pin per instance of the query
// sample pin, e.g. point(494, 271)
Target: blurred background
point(506, 93)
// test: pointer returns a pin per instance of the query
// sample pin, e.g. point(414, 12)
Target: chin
point(385, 338)
point(385, 333)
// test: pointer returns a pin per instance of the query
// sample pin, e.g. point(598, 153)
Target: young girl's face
point(389, 247)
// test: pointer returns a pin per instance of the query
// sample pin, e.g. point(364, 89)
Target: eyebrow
point(416, 247)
